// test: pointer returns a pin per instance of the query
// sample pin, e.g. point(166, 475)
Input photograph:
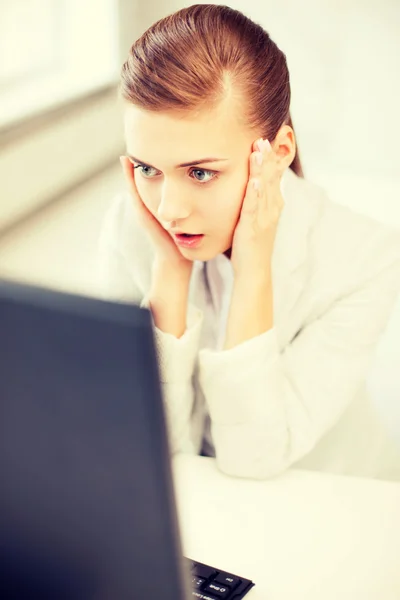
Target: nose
point(173, 205)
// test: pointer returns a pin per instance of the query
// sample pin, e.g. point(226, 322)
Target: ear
point(284, 145)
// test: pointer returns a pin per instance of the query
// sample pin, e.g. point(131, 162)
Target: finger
point(138, 204)
point(141, 210)
point(268, 152)
point(269, 169)
point(251, 195)
point(263, 158)
point(258, 177)
point(127, 169)
point(264, 173)
point(272, 160)
point(260, 144)
point(251, 199)
point(145, 217)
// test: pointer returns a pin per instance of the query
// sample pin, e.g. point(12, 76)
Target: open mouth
point(188, 240)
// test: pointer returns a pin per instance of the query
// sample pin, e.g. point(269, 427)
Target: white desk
point(301, 536)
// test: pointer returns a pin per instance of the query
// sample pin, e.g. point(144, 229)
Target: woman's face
point(204, 198)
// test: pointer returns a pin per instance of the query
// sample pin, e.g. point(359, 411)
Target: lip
point(180, 231)
point(184, 242)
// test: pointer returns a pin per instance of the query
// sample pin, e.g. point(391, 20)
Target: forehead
point(175, 138)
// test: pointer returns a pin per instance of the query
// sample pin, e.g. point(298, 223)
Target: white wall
point(42, 164)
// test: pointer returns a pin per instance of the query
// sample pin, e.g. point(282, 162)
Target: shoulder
point(121, 234)
point(120, 227)
point(341, 240)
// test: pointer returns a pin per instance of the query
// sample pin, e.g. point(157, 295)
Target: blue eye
point(145, 171)
point(142, 172)
point(212, 173)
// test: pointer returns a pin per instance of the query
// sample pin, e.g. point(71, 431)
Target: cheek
point(148, 195)
point(233, 204)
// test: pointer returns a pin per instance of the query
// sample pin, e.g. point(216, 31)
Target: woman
point(267, 298)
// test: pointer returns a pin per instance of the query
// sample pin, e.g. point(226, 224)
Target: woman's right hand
point(167, 253)
point(168, 295)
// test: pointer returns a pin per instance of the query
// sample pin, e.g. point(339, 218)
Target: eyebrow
point(191, 163)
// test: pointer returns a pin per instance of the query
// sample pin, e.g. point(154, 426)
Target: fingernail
point(266, 145)
point(121, 158)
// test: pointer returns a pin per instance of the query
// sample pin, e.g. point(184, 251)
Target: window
point(52, 51)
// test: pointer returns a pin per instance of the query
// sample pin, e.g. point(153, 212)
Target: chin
point(205, 255)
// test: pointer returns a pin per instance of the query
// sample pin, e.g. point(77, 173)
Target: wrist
point(251, 309)
point(253, 282)
point(166, 272)
point(168, 299)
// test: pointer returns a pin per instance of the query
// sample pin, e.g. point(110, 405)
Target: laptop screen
point(86, 504)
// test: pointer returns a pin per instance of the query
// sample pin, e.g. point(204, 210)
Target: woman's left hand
point(255, 231)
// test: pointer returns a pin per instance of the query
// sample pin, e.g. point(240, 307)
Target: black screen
point(86, 502)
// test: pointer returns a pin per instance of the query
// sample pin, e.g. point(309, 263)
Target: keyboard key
point(204, 571)
point(197, 582)
point(213, 584)
point(227, 579)
point(218, 589)
point(203, 596)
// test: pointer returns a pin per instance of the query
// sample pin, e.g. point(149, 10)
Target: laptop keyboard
point(209, 583)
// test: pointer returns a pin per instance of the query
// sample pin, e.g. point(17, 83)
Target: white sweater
point(295, 395)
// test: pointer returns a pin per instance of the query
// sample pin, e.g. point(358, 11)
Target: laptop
point(87, 507)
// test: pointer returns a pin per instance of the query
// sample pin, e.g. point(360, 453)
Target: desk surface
point(301, 536)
